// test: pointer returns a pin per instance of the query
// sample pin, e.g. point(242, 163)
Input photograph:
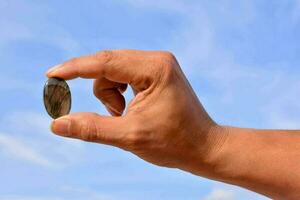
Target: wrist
point(208, 154)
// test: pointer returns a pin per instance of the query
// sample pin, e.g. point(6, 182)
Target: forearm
point(264, 161)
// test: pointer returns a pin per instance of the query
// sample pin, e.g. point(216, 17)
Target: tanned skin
point(165, 124)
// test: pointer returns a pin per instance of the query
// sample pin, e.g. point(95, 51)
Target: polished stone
point(57, 97)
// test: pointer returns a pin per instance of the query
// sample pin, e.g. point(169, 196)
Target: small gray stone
point(57, 97)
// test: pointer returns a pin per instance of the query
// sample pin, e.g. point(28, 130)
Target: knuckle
point(169, 55)
point(105, 56)
point(88, 131)
point(167, 66)
point(167, 61)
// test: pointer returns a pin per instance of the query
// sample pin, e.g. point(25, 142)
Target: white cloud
point(169, 5)
point(274, 86)
point(296, 11)
point(11, 84)
point(30, 140)
point(220, 194)
point(15, 197)
point(15, 148)
point(282, 111)
point(228, 192)
point(222, 191)
point(18, 28)
point(86, 193)
point(65, 193)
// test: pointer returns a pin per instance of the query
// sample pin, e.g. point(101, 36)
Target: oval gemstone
point(57, 97)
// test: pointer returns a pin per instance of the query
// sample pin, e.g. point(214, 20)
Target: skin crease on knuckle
point(106, 57)
point(87, 130)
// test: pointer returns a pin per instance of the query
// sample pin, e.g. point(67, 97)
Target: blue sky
point(242, 58)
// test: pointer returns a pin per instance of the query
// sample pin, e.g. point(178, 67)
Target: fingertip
point(61, 126)
point(50, 73)
point(51, 126)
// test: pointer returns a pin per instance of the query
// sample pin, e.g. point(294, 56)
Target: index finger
point(117, 65)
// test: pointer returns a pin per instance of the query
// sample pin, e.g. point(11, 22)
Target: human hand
point(165, 123)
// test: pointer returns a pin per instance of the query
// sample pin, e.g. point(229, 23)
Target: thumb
point(90, 127)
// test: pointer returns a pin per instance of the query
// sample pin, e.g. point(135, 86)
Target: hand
point(165, 124)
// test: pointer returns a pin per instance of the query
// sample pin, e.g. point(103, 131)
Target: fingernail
point(52, 69)
point(61, 126)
